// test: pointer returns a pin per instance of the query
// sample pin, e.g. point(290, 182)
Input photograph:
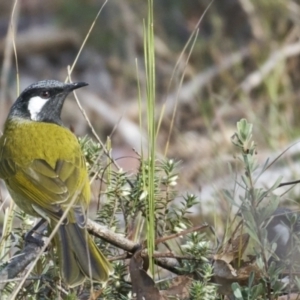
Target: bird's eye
point(45, 94)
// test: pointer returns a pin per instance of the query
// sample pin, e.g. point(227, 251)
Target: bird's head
point(43, 101)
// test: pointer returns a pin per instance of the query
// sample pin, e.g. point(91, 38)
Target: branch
point(256, 78)
point(121, 242)
point(19, 263)
point(111, 237)
point(23, 259)
point(190, 89)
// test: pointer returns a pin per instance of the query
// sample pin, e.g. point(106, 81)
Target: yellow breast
point(24, 146)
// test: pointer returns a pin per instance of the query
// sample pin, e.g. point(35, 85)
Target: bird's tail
point(79, 257)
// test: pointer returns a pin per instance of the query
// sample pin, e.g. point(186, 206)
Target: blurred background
point(244, 63)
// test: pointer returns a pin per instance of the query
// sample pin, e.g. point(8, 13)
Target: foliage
point(124, 205)
point(256, 207)
point(124, 198)
point(124, 209)
point(250, 292)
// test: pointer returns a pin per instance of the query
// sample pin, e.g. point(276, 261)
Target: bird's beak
point(75, 85)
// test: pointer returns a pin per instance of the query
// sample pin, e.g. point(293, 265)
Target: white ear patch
point(35, 105)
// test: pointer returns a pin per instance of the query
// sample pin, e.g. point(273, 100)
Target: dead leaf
point(234, 248)
point(179, 287)
point(224, 272)
point(143, 286)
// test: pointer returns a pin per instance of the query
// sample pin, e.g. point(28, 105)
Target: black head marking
point(43, 101)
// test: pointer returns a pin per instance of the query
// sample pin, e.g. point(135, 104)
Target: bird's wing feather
point(50, 189)
point(7, 168)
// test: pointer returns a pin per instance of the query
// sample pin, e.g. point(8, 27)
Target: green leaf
point(267, 210)
point(237, 291)
point(256, 291)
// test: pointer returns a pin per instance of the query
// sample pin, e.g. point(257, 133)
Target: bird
point(45, 172)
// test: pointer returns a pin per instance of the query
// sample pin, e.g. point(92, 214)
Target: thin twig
point(193, 87)
point(43, 249)
point(85, 40)
point(8, 50)
point(106, 152)
point(181, 233)
point(192, 40)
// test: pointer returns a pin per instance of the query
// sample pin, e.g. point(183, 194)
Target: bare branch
point(19, 263)
point(257, 77)
point(193, 87)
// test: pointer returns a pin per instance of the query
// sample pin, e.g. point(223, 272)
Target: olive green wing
point(49, 189)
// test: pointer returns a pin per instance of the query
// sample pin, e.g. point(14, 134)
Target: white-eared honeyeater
point(44, 170)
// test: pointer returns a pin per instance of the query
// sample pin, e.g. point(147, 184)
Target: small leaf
point(237, 291)
point(143, 285)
